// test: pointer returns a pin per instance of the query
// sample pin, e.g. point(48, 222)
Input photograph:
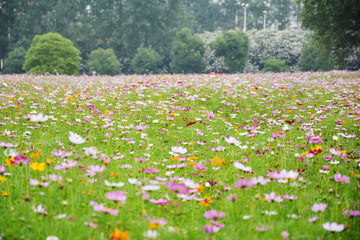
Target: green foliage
point(104, 62)
point(234, 46)
point(146, 60)
point(188, 53)
point(15, 60)
point(314, 59)
point(336, 24)
point(52, 53)
point(274, 65)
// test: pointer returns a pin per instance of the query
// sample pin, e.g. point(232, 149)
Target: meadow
point(216, 156)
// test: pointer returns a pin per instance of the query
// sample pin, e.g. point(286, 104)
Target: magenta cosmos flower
point(200, 167)
point(119, 196)
point(342, 179)
point(351, 213)
point(213, 214)
point(177, 187)
point(21, 160)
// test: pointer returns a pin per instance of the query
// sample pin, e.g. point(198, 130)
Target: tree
point(146, 60)
point(336, 24)
point(7, 18)
point(104, 62)
point(52, 53)
point(15, 60)
point(314, 59)
point(188, 53)
point(274, 65)
point(234, 46)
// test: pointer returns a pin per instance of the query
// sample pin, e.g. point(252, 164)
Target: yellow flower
point(38, 166)
point(9, 161)
point(4, 194)
point(3, 179)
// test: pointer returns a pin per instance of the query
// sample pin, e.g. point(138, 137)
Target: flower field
point(249, 156)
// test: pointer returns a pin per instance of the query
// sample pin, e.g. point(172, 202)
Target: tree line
point(124, 25)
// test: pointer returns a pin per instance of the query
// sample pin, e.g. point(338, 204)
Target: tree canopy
point(336, 24)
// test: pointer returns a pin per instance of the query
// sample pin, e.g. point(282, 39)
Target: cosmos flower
point(93, 170)
point(119, 184)
point(118, 196)
point(39, 209)
point(319, 207)
point(273, 198)
point(244, 184)
point(343, 179)
point(213, 214)
point(75, 138)
point(179, 150)
point(333, 227)
point(39, 118)
point(242, 167)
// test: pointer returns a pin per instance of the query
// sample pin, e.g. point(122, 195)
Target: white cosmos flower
point(242, 167)
point(119, 184)
point(150, 187)
point(75, 138)
point(179, 150)
point(39, 118)
point(333, 227)
point(151, 234)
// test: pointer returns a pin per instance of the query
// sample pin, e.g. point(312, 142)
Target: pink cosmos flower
point(343, 179)
point(141, 159)
point(319, 207)
point(313, 219)
point(2, 169)
point(244, 183)
point(39, 209)
point(213, 214)
point(333, 227)
point(351, 213)
point(150, 170)
point(273, 198)
point(177, 187)
point(208, 228)
point(119, 196)
point(262, 229)
point(21, 160)
point(157, 221)
point(93, 170)
point(159, 201)
point(141, 128)
point(61, 154)
point(200, 167)
point(66, 164)
point(101, 208)
point(291, 197)
point(35, 182)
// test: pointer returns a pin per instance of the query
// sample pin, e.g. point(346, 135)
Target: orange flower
point(218, 161)
point(207, 201)
point(119, 235)
point(114, 174)
point(200, 188)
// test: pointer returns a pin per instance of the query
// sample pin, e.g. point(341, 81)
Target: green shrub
point(104, 62)
point(313, 59)
point(15, 60)
point(52, 53)
point(234, 46)
point(274, 65)
point(188, 51)
point(146, 60)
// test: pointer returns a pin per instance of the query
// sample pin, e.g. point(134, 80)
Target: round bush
point(274, 65)
point(146, 60)
point(15, 60)
point(104, 62)
point(234, 47)
point(188, 51)
point(313, 59)
point(52, 53)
